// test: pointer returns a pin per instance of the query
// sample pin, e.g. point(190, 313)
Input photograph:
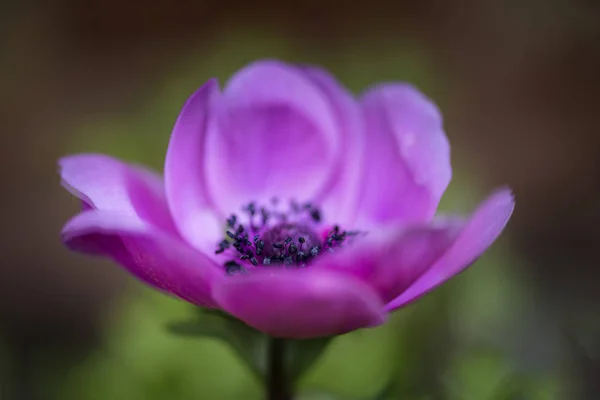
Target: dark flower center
point(272, 238)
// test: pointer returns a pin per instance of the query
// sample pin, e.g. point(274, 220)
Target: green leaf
point(251, 345)
point(387, 392)
point(248, 343)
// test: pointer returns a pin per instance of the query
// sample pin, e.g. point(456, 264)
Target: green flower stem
point(279, 386)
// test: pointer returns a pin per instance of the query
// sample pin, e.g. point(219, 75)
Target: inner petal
point(260, 152)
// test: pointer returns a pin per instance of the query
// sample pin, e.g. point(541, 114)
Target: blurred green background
point(103, 76)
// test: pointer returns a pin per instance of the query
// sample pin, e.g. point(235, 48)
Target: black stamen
point(232, 220)
point(251, 208)
point(314, 251)
point(232, 268)
point(315, 214)
point(281, 237)
point(277, 259)
point(260, 245)
point(301, 256)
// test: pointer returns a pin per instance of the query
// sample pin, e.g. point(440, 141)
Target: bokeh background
point(518, 84)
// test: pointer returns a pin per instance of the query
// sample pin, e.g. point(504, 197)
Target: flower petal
point(184, 172)
point(156, 258)
point(276, 136)
point(484, 226)
point(340, 203)
point(107, 184)
point(300, 303)
point(408, 157)
point(392, 261)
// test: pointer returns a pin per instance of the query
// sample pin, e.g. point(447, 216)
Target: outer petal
point(407, 165)
point(108, 184)
point(392, 261)
point(340, 203)
point(158, 259)
point(184, 172)
point(300, 303)
point(479, 233)
point(276, 135)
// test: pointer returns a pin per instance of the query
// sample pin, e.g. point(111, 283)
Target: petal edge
point(482, 229)
point(156, 258)
point(185, 186)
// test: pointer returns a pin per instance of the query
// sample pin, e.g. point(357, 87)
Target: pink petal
point(392, 261)
point(184, 172)
point(107, 184)
point(340, 203)
point(154, 257)
point(484, 226)
point(408, 156)
point(300, 303)
point(276, 135)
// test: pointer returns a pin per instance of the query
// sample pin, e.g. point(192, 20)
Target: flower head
point(288, 203)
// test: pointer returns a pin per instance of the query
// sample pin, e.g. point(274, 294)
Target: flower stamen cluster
point(273, 238)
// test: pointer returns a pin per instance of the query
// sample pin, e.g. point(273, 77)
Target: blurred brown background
point(518, 83)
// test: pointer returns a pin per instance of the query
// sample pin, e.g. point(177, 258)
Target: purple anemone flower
point(288, 203)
